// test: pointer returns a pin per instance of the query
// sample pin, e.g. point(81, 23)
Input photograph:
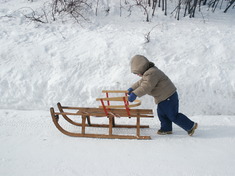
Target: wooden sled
point(106, 110)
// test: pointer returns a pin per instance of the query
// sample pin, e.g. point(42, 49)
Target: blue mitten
point(132, 97)
point(129, 91)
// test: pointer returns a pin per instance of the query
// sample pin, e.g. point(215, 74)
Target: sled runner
point(105, 110)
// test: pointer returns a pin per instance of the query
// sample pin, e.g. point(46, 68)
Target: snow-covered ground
point(42, 64)
point(31, 145)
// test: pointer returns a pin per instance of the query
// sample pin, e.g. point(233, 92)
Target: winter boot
point(190, 132)
point(160, 132)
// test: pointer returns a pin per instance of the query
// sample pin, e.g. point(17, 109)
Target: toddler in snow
point(155, 83)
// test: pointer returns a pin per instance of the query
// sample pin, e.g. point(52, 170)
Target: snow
point(43, 61)
point(31, 145)
point(71, 63)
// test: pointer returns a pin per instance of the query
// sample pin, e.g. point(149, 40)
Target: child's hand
point(129, 91)
point(132, 97)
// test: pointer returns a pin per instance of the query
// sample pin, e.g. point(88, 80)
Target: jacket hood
point(139, 64)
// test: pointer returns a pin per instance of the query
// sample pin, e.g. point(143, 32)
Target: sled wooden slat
point(137, 102)
point(122, 106)
point(114, 91)
point(112, 98)
point(102, 114)
point(85, 109)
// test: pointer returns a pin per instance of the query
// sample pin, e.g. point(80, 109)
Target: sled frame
point(111, 114)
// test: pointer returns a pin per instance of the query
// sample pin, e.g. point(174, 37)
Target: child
point(155, 83)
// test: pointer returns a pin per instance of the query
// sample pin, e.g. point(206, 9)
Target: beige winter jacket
point(153, 82)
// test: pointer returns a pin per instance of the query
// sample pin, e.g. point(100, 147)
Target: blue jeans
point(168, 112)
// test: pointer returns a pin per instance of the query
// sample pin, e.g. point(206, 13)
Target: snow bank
point(41, 64)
